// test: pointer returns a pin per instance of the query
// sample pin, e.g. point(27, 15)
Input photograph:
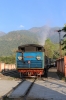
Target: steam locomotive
point(31, 60)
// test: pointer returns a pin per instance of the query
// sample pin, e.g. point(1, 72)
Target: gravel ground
point(7, 83)
point(52, 73)
point(6, 86)
point(49, 89)
point(3, 77)
point(9, 76)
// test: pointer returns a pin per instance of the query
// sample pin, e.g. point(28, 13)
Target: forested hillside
point(10, 41)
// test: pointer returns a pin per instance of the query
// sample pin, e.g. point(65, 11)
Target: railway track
point(49, 88)
point(21, 91)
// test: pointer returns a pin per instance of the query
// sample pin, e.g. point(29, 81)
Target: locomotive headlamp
point(38, 57)
point(20, 58)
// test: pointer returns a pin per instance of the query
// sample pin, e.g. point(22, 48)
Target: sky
point(25, 14)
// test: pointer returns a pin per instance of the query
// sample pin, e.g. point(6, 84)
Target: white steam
point(37, 35)
point(42, 35)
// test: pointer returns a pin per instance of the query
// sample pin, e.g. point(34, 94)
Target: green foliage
point(51, 49)
point(9, 43)
point(64, 38)
point(64, 28)
point(8, 60)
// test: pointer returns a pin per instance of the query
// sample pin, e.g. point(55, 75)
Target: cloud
point(21, 26)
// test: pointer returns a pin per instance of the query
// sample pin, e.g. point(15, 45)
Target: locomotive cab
point(31, 47)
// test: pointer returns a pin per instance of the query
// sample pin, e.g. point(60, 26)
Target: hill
point(51, 32)
point(10, 42)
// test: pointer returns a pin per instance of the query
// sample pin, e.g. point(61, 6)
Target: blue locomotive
point(30, 59)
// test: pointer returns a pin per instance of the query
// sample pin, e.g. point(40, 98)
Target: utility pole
point(59, 31)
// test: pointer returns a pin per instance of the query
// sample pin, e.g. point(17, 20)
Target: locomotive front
point(30, 59)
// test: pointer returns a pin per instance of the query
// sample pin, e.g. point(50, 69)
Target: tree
point(64, 38)
point(51, 49)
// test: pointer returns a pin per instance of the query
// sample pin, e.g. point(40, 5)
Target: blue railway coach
point(30, 59)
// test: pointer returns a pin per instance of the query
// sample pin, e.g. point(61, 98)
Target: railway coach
point(30, 59)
